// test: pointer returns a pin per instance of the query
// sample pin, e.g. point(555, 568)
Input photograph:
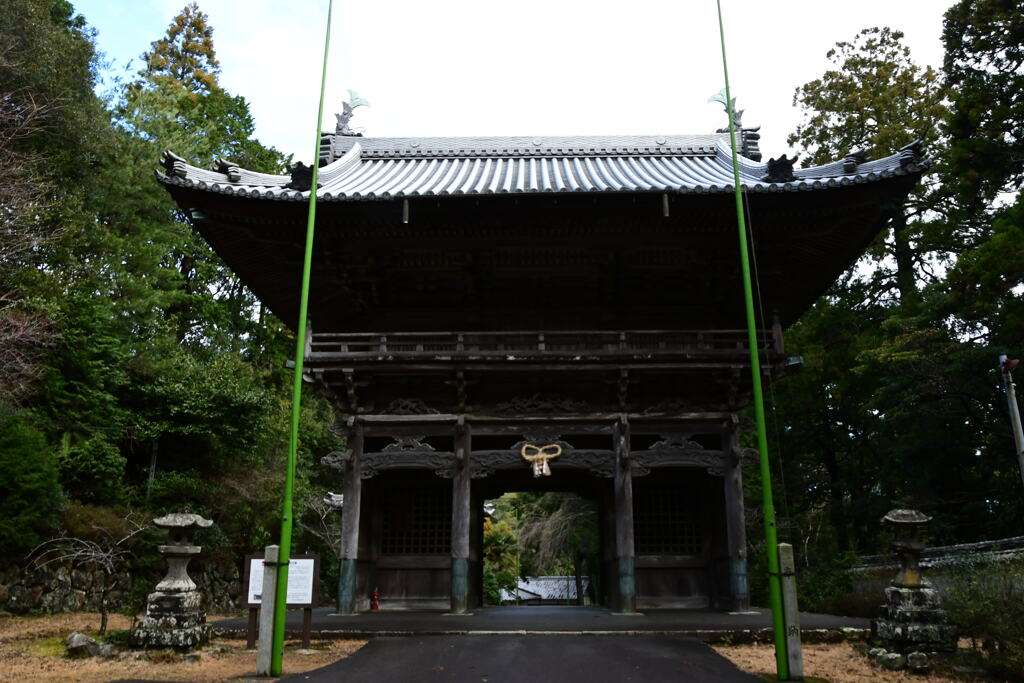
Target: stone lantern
point(174, 614)
point(908, 546)
point(913, 629)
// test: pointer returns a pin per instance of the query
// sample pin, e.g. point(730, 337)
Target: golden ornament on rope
point(538, 457)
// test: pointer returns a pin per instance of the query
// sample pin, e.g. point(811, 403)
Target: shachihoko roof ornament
point(748, 137)
point(347, 110)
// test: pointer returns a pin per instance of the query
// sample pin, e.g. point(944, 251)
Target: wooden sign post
point(303, 577)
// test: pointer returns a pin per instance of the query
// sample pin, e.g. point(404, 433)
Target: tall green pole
point(277, 645)
point(771, 541)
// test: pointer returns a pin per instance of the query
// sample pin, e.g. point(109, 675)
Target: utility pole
point(1006, 366)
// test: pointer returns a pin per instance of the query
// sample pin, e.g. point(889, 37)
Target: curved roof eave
point(377, 169)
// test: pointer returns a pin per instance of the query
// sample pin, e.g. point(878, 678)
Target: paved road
point(530, 659)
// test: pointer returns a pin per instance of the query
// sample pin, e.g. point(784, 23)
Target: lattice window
point(417, 522)
point(666, 522)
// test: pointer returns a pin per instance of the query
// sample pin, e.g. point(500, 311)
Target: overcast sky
point(530, 67)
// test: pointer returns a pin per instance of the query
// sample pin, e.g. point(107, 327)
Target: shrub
point(93, 471)
point(828, 588)
point(171, 489)
point(96, 523)
point(986, 602)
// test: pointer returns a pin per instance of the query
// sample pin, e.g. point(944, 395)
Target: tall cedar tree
point(984, 69)
point(184, 59)
point(877, 99)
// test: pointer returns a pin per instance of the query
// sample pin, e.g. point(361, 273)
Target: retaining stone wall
point(64, 587)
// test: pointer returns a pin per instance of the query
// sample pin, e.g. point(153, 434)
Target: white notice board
point(301, 580)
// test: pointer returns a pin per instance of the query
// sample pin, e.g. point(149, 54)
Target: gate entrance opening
point(541, 548)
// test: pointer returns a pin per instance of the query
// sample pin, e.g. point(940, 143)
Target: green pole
point(771, 542)
point(277, 645)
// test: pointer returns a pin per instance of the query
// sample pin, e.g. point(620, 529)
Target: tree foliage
point(898, 402)
point(984, 70)
point(501, 558)
point(30, 495)
point(184, 60)
point(162, 384)
point(533, 534)
point(876, 100)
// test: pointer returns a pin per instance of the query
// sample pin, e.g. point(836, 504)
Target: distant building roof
point(546, 588)
point(361, 169)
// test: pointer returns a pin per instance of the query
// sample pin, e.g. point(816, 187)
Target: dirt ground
point(837, 663)
point(32, 649)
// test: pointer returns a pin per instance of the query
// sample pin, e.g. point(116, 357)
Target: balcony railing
point(536, 345)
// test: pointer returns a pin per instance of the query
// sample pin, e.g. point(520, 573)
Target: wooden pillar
point(735, 526)
point(460, 519)
point(625, 559)
point(347, 598)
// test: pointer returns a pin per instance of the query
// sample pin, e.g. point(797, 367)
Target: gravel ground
point(31, 649)
point(837, 663)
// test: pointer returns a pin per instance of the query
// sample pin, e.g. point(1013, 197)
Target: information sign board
point(302, 579)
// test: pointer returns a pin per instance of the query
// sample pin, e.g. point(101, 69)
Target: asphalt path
point(530, 659)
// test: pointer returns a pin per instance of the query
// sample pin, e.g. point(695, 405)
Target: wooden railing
point(537, 344)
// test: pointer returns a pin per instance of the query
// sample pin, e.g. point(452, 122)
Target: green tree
point(145, 343)
point(558, 534)
point(30, 496)
point(984, 71)
point(52, 130)
point(177, 103)
point(501, 561)
point(897, 404)
point(184, 60)
point(876, 99)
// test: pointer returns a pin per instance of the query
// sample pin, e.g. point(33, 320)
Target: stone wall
point(64, 587)
point(875, 572)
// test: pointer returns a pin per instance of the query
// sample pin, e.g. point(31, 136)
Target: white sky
point(532, 67)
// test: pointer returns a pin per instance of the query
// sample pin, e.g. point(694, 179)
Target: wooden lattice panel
point(666, 523)
point(417, 522)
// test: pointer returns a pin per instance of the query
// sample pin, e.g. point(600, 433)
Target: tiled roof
point(546, 588)
point(387, 168)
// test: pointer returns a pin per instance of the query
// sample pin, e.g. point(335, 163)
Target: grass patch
point(48, 647)
point(118, 637)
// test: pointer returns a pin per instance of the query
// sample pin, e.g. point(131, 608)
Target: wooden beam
point(493, 425)
point(398, 366)
point(588, 418)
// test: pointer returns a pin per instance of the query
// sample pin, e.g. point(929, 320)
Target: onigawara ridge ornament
point(538, 456)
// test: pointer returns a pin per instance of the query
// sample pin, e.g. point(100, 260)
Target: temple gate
point(474, 296)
